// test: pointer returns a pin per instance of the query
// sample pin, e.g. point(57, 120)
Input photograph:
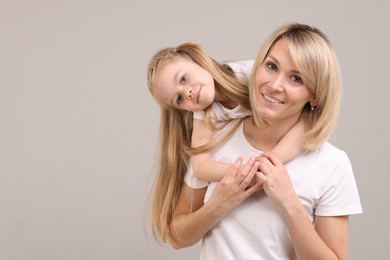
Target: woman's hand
point(276, 181)
point(236, 186)
point(192, 220)
point(310, 242)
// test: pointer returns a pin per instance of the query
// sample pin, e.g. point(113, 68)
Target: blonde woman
point(298, 210)
point(198, 97)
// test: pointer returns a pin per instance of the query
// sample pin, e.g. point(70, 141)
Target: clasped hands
point(265, 172)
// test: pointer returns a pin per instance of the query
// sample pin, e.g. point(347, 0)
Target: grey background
point(78, 127)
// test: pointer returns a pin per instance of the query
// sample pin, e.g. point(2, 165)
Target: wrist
point(293, 207)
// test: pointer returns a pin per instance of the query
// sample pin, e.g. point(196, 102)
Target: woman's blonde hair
point(313, 54)
point(176, 131)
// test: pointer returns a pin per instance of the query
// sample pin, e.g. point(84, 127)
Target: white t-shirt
point(323, 180)
point(242, 69)
point(222, 113)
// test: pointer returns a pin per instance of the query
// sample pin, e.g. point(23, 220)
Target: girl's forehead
point(168, 65)
point(172, 60)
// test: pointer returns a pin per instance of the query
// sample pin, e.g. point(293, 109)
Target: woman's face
point(183, 84)
point(280, 91)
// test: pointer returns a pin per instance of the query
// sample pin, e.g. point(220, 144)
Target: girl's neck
point(267, 137)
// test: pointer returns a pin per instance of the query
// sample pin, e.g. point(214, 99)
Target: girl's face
point(183, 84)
point(280, 91)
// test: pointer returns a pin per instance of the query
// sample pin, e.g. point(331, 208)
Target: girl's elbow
point(175, 243)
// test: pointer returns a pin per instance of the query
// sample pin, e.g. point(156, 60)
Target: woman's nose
point(277, 84)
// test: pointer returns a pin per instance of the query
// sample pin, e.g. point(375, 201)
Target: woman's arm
point(192, 219)
point(328, 239)
point(291, 145)
point(205, 168)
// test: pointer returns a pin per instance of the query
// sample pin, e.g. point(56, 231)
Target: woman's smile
point(272, 99)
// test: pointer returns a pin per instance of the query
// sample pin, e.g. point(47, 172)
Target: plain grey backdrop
point(78, 127)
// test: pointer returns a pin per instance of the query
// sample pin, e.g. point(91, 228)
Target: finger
point(249, 177)
point(248, 192)
point(243, 173)
point(265, 165)
point(262, 177)
point(273, 159)
point(233, 170)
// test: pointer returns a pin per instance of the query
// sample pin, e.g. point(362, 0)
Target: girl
point(184, 80)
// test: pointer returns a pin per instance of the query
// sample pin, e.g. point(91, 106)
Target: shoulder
point(331, 162)
point(242, 69)
point(241, 66)
point(223, 113)
point(338, 193)
point(325, 160)
point(331, 154)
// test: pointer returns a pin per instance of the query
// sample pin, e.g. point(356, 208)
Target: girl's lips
point(198, 95)
point(272, 99)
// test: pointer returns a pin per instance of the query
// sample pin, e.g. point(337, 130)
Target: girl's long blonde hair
point(176, 131)
point(312, 53)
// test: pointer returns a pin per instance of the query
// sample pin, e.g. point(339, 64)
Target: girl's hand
point(236, 186)
point(276, 181)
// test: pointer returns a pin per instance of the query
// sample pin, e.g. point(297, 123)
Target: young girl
point(184, 80)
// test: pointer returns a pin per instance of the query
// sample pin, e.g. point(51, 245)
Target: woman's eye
point(179, 99)
point(296, 79)
point(271, 66)
point(183, 79)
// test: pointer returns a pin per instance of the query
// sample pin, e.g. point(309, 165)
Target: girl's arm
point(192, 219)
point(204, 167)
point(291, 145)
point(328, 239)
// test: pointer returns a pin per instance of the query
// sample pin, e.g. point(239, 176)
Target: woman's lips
point(272, 99)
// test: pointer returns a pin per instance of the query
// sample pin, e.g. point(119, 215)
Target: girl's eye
point(183, 79)
point(271, 66)
point(296, 79)
point(179, 99)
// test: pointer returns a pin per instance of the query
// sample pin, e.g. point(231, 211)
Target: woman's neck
point(267, 137)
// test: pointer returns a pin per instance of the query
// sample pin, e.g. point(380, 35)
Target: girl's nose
point(189, 94)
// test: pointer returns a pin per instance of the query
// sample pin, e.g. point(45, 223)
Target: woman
point(302, 211)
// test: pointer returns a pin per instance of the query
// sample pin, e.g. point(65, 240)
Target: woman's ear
point(313, 101)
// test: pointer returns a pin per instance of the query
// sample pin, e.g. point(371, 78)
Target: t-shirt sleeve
point(339, 195)
point(200, 115)
point(192, 181)
point(242, 69)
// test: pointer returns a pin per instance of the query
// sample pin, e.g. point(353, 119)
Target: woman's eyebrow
point(294, 71)
point(273, 58)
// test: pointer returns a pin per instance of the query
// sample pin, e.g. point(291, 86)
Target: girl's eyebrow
point(171, 100)
point(175, 80)
point(176, 76)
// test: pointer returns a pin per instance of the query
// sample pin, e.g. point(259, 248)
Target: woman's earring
point(312, 108)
